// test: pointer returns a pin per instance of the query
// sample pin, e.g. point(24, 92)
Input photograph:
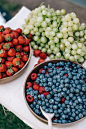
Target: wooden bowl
point(16, 75)
point(35, 70)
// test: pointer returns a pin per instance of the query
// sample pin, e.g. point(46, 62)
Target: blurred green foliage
point(8, 6)
point(10, 121)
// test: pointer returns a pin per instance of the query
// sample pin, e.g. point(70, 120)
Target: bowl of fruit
point(59, 87)
point(56, 33)
point(15, 53)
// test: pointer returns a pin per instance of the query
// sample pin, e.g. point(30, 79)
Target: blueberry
point(50, 65)
point(51, 106)
point(47, 89)
point(31, 105)
point(76, 118)
point(47, 110)
point(56, 115)
point(37, 106)
point(51, 110)
point(42, 96)
point(55, 90)
point(50, 83)
point(57, 99)
point(43, 103)
point(48, 96)
point(39, 102)
point(34, 103)
point(45, 67)
point(51, 101)
point(55, 107)
point(55, 121)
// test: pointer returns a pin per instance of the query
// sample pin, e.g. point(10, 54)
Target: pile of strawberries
point(43, 56)
point(14, 50)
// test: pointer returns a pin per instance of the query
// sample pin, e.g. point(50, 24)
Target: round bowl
point(35, 70)
point(17, 74)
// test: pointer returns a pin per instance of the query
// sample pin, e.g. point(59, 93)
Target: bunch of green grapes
point(55, 33)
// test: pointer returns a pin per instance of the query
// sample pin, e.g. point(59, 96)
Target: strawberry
point(33, 76)
point(62, 100)
point(57, 67)
point(41, 90)
point(43, 56)
point(36, 87)
point(85, 79)
point(66, 75)
point(37, 53)
point(29, 98)
point(29, 84)
point(40, 61)
point(46, 93)
point(40, 70)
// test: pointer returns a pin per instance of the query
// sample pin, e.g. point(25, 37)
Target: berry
point(36, 87)
point(29, 84)
point(85, 80)
point(57, 67)
point(66, 75)
point(46, 93)
point(41, 60)
point(41, 90)
point(43, 56)
point(29, 98)
point(33, 76)
point(62, 100)
point(37, 53)
point(41, 70)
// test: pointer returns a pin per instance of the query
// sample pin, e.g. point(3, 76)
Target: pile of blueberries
point(64, 91)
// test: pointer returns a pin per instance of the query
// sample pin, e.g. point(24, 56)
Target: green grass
point(10, 121)
point(8, 6)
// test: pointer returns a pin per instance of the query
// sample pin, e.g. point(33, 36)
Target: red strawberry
point(29, 98)
point(70, 66)
point(35, 65)
point(37, 53)
point(33, 76)
point(57, 67)
point(40, 70)
point(85, 92)
point(41, 90)
point(40, 61)
point(85, 79)
point(29, 84)
point(46, 93)
point(62, 100)
point(43, 56)
point(36, 87)
point(46, 72)
point(66, 75)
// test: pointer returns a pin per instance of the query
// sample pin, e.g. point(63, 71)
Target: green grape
point(49, 51)
point(52, 56)
point(35, 47)
point(58, 54)
point(67, 56)
point(59, 35)
point(55, 50)
point(71, 58)
point(40, 48)
point(43, 39)
point(32, 43)
point(81, 59)
point(44, 50)
point(71, 39)
point(36, 38)
point(85, 56)
point(67, 17)
point(63, 11)
point(62, 47)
